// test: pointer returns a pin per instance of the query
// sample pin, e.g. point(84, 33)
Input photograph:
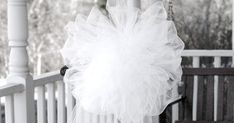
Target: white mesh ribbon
point(126, 63)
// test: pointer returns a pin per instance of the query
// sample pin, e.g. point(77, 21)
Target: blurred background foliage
point(204, 24)
point(201, 24)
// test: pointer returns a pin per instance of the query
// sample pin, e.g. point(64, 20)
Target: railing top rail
point(51, 77)
point(10, 88)
point(47, 78)
point(208, 71)
point(207, 53)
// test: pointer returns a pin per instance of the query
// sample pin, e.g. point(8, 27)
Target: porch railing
point(54, 104)
point(206, 96)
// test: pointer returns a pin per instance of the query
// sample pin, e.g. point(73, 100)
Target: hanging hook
point(63, 70)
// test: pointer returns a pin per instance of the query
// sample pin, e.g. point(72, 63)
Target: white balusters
point(217, 64)
point(41, 106)
point(9, 109)
point(175, 112)
point(51, 115)
point(196, 63)
point(61, 102)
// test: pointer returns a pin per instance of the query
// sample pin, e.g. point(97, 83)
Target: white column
point(18, 61)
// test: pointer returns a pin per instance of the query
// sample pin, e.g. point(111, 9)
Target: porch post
point(18, 61)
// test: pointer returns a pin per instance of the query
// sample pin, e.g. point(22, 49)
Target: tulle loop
point(155, 10)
